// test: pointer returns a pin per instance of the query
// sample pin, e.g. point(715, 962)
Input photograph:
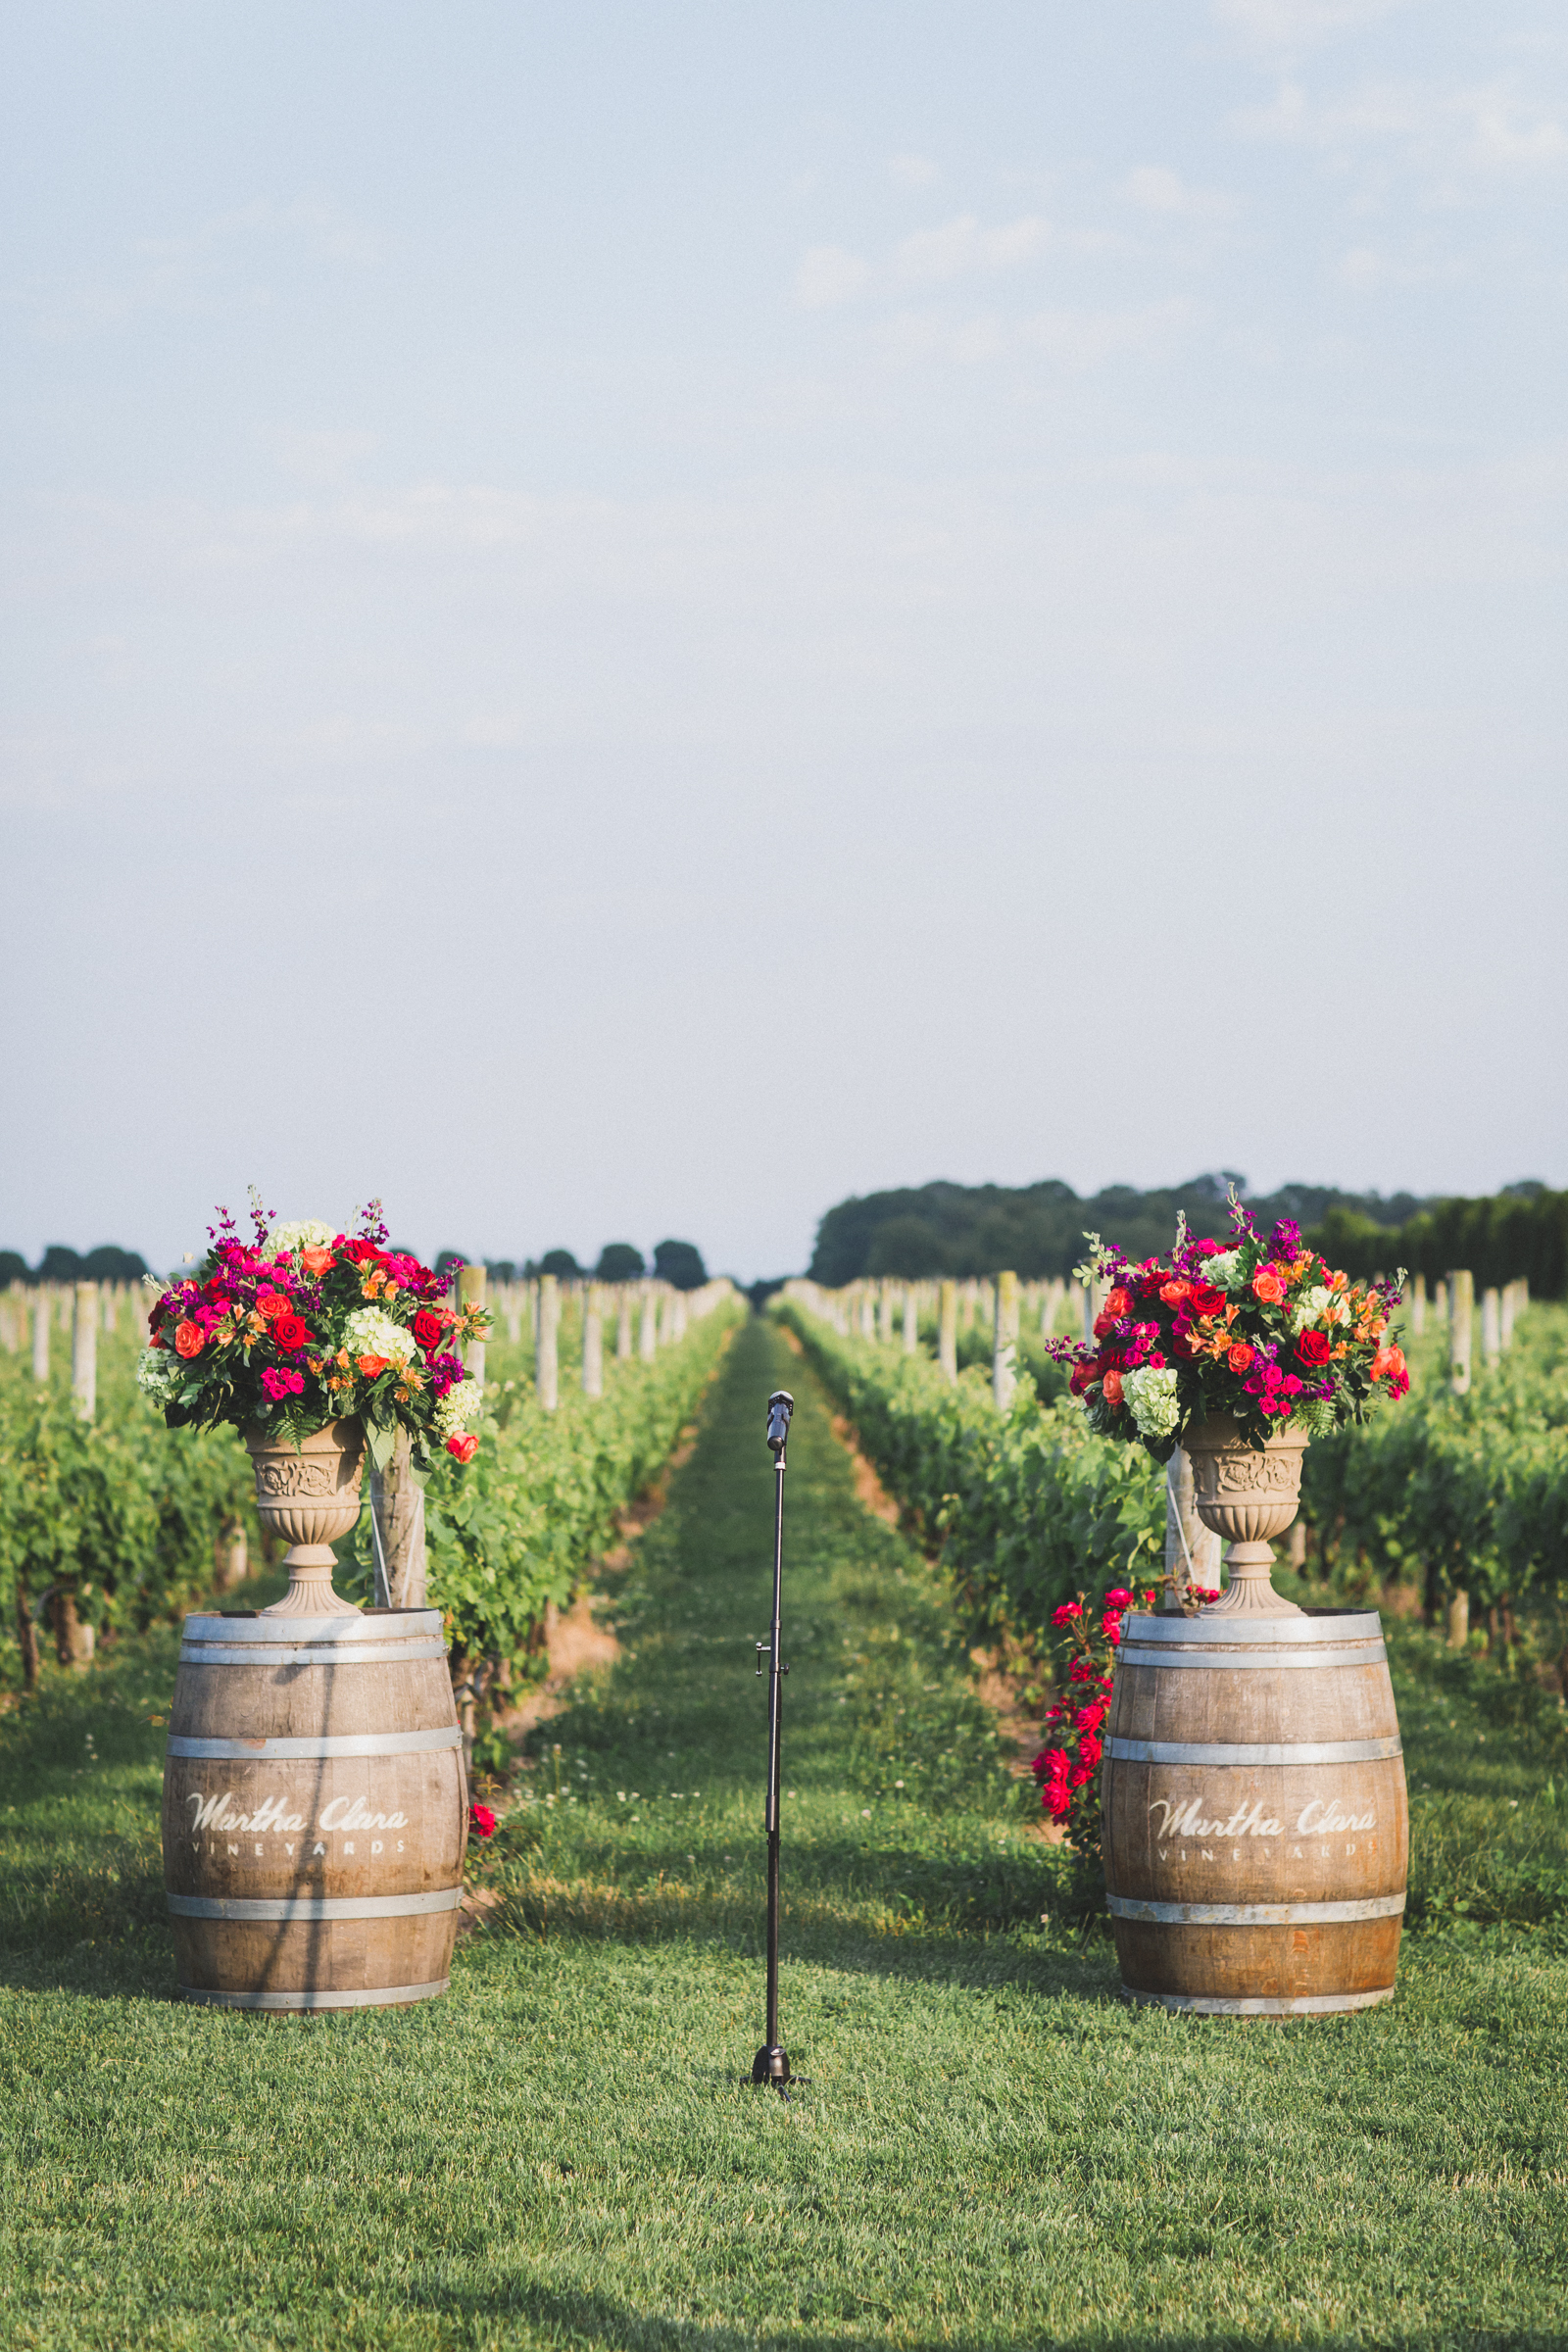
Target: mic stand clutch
point(771, 2065)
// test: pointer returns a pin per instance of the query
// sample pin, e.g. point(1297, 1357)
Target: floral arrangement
point(301, 1326)
point(1265, 1331)
point(1068, 1768)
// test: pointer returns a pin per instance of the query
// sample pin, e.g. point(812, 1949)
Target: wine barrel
point(315, 1810)
point(1254, 1821)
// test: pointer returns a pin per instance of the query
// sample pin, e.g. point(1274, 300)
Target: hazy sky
point(624, 620)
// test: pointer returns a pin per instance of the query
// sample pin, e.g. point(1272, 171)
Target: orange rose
point(372, 1366)
point(272, 1305)
point(316, 1261)
point(1112, 1387)
point(1267, 1286)
point(188, 1338)
point(1240, 1357)
point(1174, 1291)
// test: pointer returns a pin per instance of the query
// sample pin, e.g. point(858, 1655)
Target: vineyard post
point(1510, 1297)
point(397, 1524)
point(109, 1306)
point(648, 1332)
point(1192, 1550)
point(1005, 1342)
point(1439, 1302)
point(1418, 1305)
point(64, 1301)
point(593, 1344)
point(84, 1350)
point(471, 1292)
point(40, 1333)
point(947, 1331)
point(624, 1323)
point(1461, 1295)
point(547, 1356)
point(911, 1327)
point(1490, 1329)
point(1459, 1621)
point(678, 1318)
point(533, 1308)
point(885, 1315)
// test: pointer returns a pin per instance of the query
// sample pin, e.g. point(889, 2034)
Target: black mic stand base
point(770, 2069)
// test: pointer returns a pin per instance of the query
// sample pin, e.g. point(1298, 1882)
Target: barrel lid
point(1316, 1628)
point(365, 1625)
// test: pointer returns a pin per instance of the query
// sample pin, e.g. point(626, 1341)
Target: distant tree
point(561, 1264)
point(109, 1264)
point(618, 1262)
point(680, 1264)
point(59, 1265)
point(14, 1267)
point(907, 1246)
point(501, 1269)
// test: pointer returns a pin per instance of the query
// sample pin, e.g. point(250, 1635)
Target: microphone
point(780, 1405)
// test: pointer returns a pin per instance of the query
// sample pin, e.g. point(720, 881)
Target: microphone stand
point(771, 2065)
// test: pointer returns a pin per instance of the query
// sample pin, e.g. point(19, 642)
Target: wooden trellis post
point(1490, 1329)
point(1005, 1342)
point(41, 1306)
point(911, 1324)
point(471, 1292)
point(648, 1333)
point(1461, 1294)
point(84, 1350)
point(947, 1330)
point(547, 1354)
point(624, 1323)
point(593, 1344)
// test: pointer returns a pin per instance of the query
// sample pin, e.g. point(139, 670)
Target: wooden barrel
point(315, 1810)
point(1256, 1828)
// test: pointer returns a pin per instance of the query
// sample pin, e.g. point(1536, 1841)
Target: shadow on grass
point(583, 2319)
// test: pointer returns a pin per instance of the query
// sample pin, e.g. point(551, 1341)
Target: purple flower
point(445, 1373)
point(1286, 1240)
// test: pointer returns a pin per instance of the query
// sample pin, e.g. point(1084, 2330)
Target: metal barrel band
point(242, 1907)
point(383, 1996)
point(1256, 1915)
point(1205, 2004)
point(1252, 1753)
point(1260, 1661)
point(1308, 1631)
point(347, 1743)
point(363, 1626)
point(220, 1653)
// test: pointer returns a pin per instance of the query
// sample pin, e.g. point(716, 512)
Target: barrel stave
point(1276, 1963)
point(344, 1956)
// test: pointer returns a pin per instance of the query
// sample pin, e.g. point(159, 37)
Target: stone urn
point(310, 1494)
point(1245, 1497)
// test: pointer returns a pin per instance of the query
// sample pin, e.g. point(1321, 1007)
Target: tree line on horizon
point(1037, 1230)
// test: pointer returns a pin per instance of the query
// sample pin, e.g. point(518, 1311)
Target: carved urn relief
point(1247, 1496)
point(309, 1494)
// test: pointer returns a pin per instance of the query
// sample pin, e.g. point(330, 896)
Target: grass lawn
point(993, 2151)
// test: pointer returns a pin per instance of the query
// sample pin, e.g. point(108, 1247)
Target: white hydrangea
point(1320, 1305)
point(370, 1331)
point(464, 1401)
point(1150, 1397)
point(1223, 1271)
point(312, 1234)
point(158, 1374)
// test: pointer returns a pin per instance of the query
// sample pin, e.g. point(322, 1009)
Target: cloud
point(961, 247)
point(1434, 128)
point(1154, 189)
point(1292, 26)
point(912, 171)
point(1070, 341)
point(828, 276)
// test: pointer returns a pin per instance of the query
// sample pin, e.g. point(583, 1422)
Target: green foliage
point(1026, 1508)
point(619, 1261)
point(121, 1507)
point(519, 1526)
point(1521, 1230)
point(561, 1264)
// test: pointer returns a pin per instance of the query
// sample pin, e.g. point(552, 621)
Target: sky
point(623, 621)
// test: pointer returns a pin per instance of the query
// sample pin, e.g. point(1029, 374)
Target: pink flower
point(1089, 1750)
point(279, 1385)
point(1089, 1718)
point(483, 1820)
point(1065, 1614)
point(1110, 1626)
point(1118, 1597)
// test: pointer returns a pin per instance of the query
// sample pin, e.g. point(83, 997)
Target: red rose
point(359, 1253)
point(1083, 1377)
point(1206, 1299)
point(427, 1328)
point(1312, 1350)
point(289, 1332)
point(483, 1820)
point(465, 1449)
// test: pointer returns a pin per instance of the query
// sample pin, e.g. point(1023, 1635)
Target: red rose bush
point(1264, 1331)
point(301, 1326)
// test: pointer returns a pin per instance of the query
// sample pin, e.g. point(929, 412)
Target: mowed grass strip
point(992, 2150)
